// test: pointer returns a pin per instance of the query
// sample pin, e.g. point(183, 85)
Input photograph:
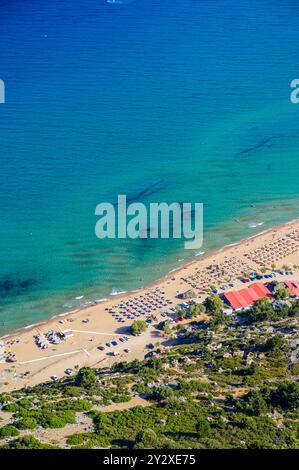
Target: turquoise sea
point(162, 100)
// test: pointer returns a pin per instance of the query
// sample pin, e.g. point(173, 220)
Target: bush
point(76, 439)
point(282, 293)
point(57, 420)
point(73, 391)
point(162, 393)
point(26, 423)
point(121, 398)
point(8, 431)
point(295, 369)
point(29, 442)
point(5, 399)
point(255, 403)
point(73, 405)
point(138, 327)
point(146, 439)
point(286, 396)
point(11, 408)
point(275, 345)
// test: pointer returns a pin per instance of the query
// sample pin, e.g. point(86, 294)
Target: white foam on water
point(199, 253)
point(117, 292)
point(255, 224)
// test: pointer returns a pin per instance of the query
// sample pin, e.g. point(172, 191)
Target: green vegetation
point(8, 431)
point(85, 377)
point(214, 305)
point(138, 327)
point(282, 293)
point(265, 311)
point(222, 383)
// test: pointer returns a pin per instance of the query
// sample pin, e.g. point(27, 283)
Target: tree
point(217, 320)
point(167, 329)
point(275, 345)
point(182, 313)
point(255, 403)
point(282, 293)
point(229, 398)
point(286, 396)
point(138, 327)
point(261, 311)
point(214, 304)
point(146, 439)
point(196, 310)
point(29, 442)
point(85, 377)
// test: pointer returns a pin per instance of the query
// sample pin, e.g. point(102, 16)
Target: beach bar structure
point(293, 287)
point(246, 297)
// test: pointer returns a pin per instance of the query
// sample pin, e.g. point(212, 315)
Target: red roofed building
point(293, 287)
point(243, 298)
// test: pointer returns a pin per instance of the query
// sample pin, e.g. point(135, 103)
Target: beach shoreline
point(122, 295)
point(94, 326)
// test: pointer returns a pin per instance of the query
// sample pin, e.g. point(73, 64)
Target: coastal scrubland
point(224, 382)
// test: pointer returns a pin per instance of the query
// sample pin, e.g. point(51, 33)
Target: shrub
point(29, 442)
point(57, 420)
point(85, 377)
point(76, 439)
point(5, 399)
point(73, 405)
point(11, 407)
point(73, 391)
point(26, 423)
point(286, 396)
point(146, 439)
point(255, 403)
point(162, 393)
point(8, 431)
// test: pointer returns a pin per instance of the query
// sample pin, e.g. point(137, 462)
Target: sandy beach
point(108, 321)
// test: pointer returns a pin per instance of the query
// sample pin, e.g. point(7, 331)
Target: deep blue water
point(177, 100)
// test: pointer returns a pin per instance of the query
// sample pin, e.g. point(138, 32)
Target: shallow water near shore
point(162, 101)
